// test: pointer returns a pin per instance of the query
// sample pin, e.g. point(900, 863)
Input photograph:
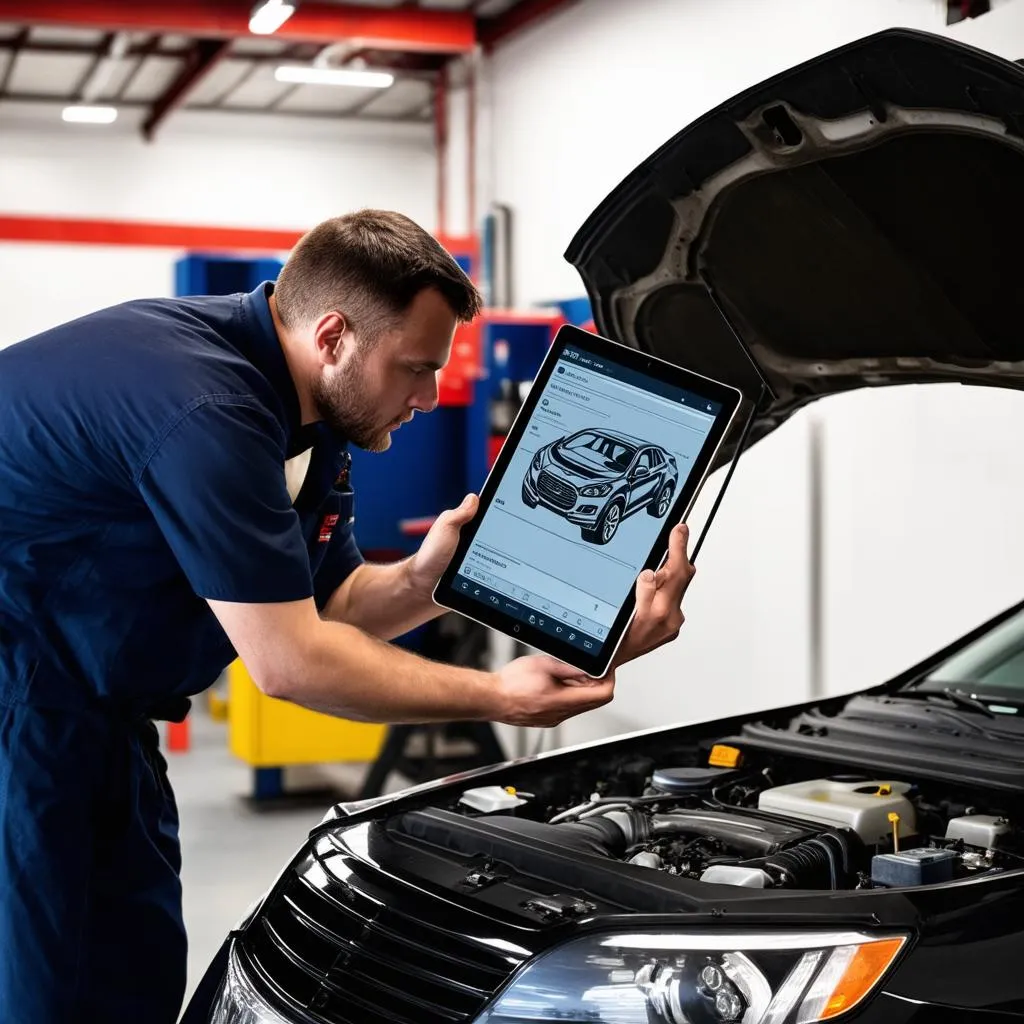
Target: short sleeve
point(216, 486)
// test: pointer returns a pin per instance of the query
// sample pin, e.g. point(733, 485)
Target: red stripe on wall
point(202, 237)
point(75, 231)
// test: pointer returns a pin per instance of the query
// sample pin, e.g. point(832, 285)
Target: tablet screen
point(580, 505)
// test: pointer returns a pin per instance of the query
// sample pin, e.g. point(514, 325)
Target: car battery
point(912, 867)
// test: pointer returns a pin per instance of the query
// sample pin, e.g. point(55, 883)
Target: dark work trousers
point(91, 928)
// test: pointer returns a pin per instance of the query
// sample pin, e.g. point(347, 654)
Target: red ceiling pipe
point(404, 28)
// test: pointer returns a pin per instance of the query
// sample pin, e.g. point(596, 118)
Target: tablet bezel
point(595, 665)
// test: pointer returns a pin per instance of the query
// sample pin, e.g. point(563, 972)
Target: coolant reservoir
point(859, 805)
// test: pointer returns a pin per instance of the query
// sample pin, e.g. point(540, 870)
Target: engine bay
point(758, 820)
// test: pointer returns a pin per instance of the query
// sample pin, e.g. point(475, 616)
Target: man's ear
point(329, 335)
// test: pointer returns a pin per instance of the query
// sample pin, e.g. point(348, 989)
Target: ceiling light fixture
point(89, 114)
point(307, 75)
point(267, 17)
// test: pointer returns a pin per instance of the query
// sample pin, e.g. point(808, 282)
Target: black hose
point(607, 835)
point(819, 863)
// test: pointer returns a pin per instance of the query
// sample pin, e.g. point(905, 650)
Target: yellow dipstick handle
point(894, 820)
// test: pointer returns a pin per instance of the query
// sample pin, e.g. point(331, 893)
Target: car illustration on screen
point(596, 478)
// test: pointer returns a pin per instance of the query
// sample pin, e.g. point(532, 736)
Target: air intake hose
point(606, 835)
point(819, 863)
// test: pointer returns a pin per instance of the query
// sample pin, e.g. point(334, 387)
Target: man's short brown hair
point(369, 266)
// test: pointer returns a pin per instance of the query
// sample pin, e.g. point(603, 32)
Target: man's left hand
point(426, 566)
point(659, 595)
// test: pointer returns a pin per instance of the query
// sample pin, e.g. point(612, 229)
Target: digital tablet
point(606, 455)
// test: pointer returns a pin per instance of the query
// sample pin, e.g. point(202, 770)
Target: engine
point(733, 827)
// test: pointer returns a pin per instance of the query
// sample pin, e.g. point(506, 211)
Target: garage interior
point(182, 148)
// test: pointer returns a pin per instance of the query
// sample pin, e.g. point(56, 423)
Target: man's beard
point(341, 403)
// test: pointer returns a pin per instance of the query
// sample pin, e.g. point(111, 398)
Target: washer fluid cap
point(679, 781)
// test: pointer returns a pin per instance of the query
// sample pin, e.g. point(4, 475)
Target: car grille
point(370, 950)
point(558, 492)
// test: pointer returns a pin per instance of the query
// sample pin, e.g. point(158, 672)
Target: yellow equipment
point(268, 733)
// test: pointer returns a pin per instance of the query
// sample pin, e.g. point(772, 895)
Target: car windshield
point(601, 451)
point(991, 667)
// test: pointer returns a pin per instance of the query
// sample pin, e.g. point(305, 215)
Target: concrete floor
point(231, 853)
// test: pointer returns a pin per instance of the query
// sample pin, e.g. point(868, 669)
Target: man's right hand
point(292, 654)
point(541, 691)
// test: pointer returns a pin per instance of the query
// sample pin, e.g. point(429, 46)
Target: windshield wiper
point(965, 700)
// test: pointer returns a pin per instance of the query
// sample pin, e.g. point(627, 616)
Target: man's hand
point(659, 595)
point(426, 566)
point(541, 691)
point(293, 654)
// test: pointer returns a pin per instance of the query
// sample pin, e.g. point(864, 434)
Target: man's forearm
point(381, 600)
point(346, 673)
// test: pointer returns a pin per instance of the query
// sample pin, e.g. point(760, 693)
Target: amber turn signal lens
point(849, 974)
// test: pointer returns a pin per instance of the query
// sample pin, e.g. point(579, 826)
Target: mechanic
point(147, 534)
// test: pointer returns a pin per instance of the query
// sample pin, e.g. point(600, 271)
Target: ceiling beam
point(404, 28)
point(17, 45)
point(205, 56)
point(148, 48)
point(153, 48)
point(493, 31)
point(100, 52)
point(257, 61)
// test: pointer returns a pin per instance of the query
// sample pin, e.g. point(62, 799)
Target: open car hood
point(858, 219)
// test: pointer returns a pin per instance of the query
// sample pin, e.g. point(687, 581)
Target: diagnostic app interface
point(585, 496)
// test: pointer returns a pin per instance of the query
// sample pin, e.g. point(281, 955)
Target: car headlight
point(698, 979)
point(538, 459)
point(239, 1002)
point(596, 490)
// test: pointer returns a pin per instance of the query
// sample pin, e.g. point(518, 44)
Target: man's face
point(378, 386)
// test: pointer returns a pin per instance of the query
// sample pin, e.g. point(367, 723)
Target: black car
point(853, 222)
point(597, 478)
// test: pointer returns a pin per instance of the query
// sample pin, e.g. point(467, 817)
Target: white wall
point(206, 169)
point(924, 497)
point(921, 501)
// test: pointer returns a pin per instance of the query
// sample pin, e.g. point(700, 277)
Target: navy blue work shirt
point(142, 455)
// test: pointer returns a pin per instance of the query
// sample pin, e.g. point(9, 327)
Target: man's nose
point(426, 400)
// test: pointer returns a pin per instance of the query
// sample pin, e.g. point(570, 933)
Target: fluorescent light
point(88, 114)
point(309, 75)
point(269, 16)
